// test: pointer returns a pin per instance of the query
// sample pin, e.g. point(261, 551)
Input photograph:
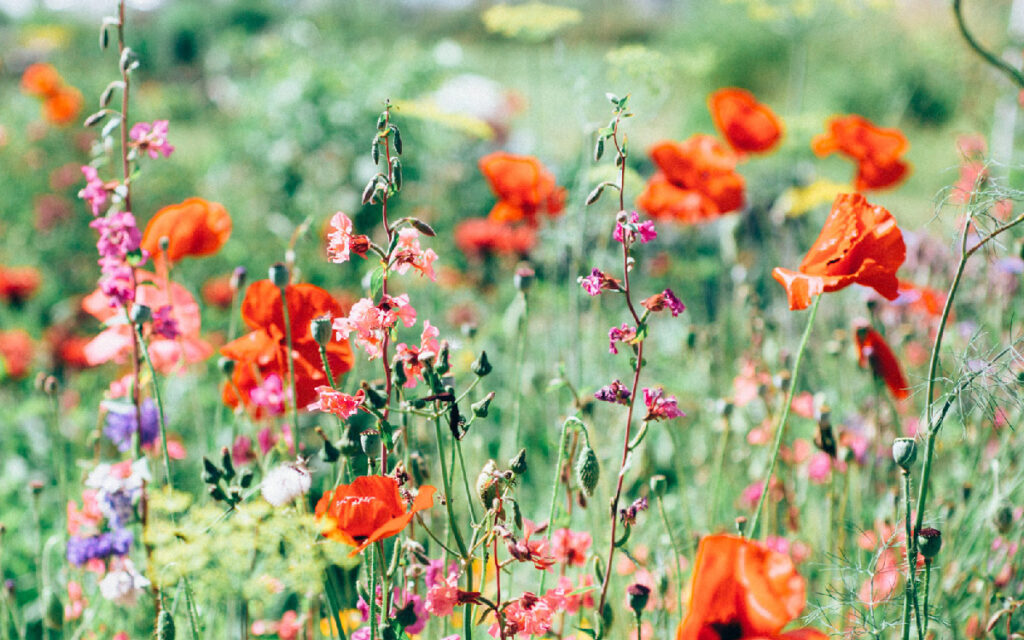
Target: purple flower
point(660, 406)
point(592, 283)
point(95, 192)
point(121, 424)
point(615, 392)
point(674, 304)
point(152, 138)
point(81, 550)
point(625, 333)
point(164, 324)
point(627, 232)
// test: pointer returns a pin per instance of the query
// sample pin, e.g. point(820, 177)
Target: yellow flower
point(534, 21)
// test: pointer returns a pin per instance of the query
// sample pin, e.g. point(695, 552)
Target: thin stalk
point(780, 430)
point(675, 554)
point(1007, 69)
point(723, 445)
point(373, 596)
point(517, 410)
point(448, 493)
point(159, 407)
point(927, 585)
point(291, 361)
point(465, 482)
point(910, 591)
point(555, 482)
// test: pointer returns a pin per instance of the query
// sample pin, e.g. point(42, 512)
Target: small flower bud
point(398, 373)
point(369, 440)
point(211, 469)
point(321, 330)
point(245, 478)
point(741, 525)
point(164, 625)
point(278, 274)
point(350, 441)
point(481, 408)
point(226, 463)
point(929, 542)
point(523, 277)
point(1003, 518)
point(141, 313)
point(658, 485)
point(638, 596)
point(482, 366)
point(330, 453)
point(164, 243)
point(487, 484)
point(588, 470)
point(376, 399)
point(406, 616)
point(904, 452)
point(518, 463)
point(443, 364)
point(217, 493)
point(238, 277)
point(226, 366)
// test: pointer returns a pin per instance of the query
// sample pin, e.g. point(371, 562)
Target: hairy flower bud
point(588, 470)
point(370, 442)
point(487, 484)
point(518, 463)
point(638, 596)
point(904, 452)
point(482, 366)
point(929, 542)
point(482, 407)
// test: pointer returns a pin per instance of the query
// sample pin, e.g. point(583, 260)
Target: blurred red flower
point(41, 80)
point(523, 186)
point(264, 350)
point(368, 510)
point(218, 292)
point(195, 227)
point(697, 181)
point(859, 243)
point(18, 284)
point(742, 590)
point(483, 236)
point(63, 107)
point(747, 125)
point(15, 353)
point(876, 151)
point(873, 350)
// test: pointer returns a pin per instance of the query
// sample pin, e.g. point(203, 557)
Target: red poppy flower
point(218, 292)
point(368, 510)
point(264, 350)
point(747, 125)
point(41, 80)
point(742, 590)
point(523, 186)
point(860, 243)
point(18, 284)
point(483, 236)
point(63, 106)
point(15, 353)
point(921, 299)
point(194, 227)
point(873, 350)
point(876, 151)
point(697, 182)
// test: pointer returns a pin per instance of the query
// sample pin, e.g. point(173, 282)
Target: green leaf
point(376, 282)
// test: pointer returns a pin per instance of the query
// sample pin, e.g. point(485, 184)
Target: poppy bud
point(518, 463)
point(724, 408)
point(245, 478)
point(369, 440)
point(523, 277)
point(141, 313)
point(487, 484)
point(638, 596)
point(481, 408)
point(320, 328)
point(164, 625)
point(54, 616)
point(481, 366)
point(330, 452)
point(929, 542)
point(658, 485)
point(226, 464)
point(376, 399)
point(1003, 518)
point(904, 452)
point(238, 277)
point(588, 470)
point(164, 243)
point(279, 275)
point(350, 441)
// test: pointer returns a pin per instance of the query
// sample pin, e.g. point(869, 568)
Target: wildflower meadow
point(629, 319)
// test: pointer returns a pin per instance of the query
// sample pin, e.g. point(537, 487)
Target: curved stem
point(1013, 74)
point(555, 483)
point(159, 407)
point(675, 554)
point(780, 430)
point(448, 493)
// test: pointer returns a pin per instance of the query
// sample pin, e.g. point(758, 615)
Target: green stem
point(910, 592)
point(555, 484)
point(1013, 74)
point(780, 430)
point(291, 362)
point(373, 595)
point(159, 406)
point(465, 482)
point(327, 367)
point(723, 444)
point(448, 493)
point(675, 553)
point(927, 585)
point(520, 356)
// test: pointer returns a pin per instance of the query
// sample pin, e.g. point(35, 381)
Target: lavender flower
point(615, 392)
point(121, 424)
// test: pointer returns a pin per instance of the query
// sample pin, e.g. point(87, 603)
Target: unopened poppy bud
point(398, 373)
point(369, 440)
point(376, 399)
point(226, 463)
point(482, 366)
point(904, 452)
point(482, 407)
point(141, 313)
point(638, 597)
point(238, 277)
point(443, 358)
point(330, 453)
point(523, 277)
point(588, 470)
point(164, 243)
point(518, 463)
point(226, 366)
point(164, 625)
point(487, 484)
point(279, 275)
point(1003, 518)
point(658, 485)
point(929, 542)
point(245, 478)
point(217, 493)
point(320, 329)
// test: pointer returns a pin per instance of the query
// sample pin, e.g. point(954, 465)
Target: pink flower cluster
point(372, 323)
point(530, 614)
point(409, 253)
point(627, 232)
point(659, 406)
point(95, 192)
point(413, 358)
point(118, 243)
point(625, 333)
point(599, 281)
point(151, 138)
point(336, 402)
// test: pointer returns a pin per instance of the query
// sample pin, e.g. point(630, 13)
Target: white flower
point(285, 483)
point(124, 585)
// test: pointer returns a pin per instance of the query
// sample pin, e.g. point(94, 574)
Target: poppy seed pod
point(929, 542)
point(320, 328)
point(278, 274)
point(904, 452)
point(588, 470)
point(638, 597)
point(141, 313)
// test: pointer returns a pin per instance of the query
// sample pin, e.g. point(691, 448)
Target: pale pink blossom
point(339, 241)
point(409, 253)
point(152, 138)
point(412, 357)
point(372, 322)
point(571, 547)
point(443, 595)
point(340, 404)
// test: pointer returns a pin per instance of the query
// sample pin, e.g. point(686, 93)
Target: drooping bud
point(482, 366)
point(141, 313)
point(376, 399)
point(658, 485)
point(518, 463)
point(588, 470)
point(482, 407)
point(904, 452)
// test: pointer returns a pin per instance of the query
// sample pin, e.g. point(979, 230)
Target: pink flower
point(76, 602)
point(531, 615)
point(570, 547)
point(119, 234)
point(819, 467)
point(151, 138)
point(412, 357)
point(625, 333)
point(599, 281)
point(336, 402)
point(95, 191)
point(585, 599)
point(164, 324)
point(87, 521)
point(660, 406)
point(339, 242)
point(752, 494)
point(289, 627)
point(409, 254)
point(664, 300)
point(372, 323)
point(615, 392)
point(626, 233)
point(444, 595)
point(270, 395)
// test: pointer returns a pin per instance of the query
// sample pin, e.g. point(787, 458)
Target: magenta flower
point(151, 138)
point(118, 235)
point(598, 281)
point(95, 191)
point(660, 406)
point(336, 402)
point(625, 333)
point(627, 233)
point(615, 392)
point(164, 324)
point(664, 300)
point(270, 395)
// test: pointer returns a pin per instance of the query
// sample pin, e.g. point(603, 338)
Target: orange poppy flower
point(368, 510)
point(742, 590)
point(18, 284)
point(747, 125)
point(195, 227)
point(483, 236)
point(264, 350)
point(15, 353)
point(523, 186)
point(63, 107)
point(697, 182)
point(921, 299)
point(876, 151)
point(860, 243)
point(873, 350)
point(218, 292)
point(41, 80)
